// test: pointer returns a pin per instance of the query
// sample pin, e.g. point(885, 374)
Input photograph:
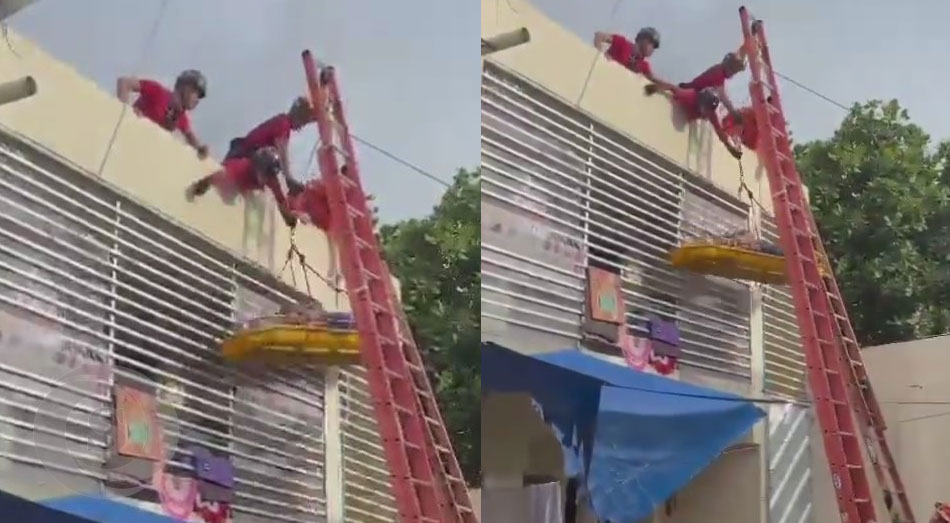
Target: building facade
point(583, 171)
point(107, 275)
point(910, 383)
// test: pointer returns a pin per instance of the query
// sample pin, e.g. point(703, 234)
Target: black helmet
point(733, 60)
point(650, 33)
point(301, 108)
point(266, 161)
point(194, 79)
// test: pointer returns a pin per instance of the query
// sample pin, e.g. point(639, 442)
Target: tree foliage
point(437, 260)
point(880, 194)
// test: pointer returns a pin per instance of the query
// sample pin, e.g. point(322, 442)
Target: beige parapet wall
point(73, 118)
point(558, 61)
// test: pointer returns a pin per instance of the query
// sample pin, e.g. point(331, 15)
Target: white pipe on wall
point(17, 90)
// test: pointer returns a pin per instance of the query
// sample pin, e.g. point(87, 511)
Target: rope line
point(294, 251)
point(146, 50)
point(590, 72)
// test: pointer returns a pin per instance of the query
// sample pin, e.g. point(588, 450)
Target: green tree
point(437, 260)
point(880, 196)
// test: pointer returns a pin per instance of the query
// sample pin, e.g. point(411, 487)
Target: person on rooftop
point(634, 55)
point(715, 78)
point(242, 176)
point(275, 132)
point(169, 109)
point(698, 104)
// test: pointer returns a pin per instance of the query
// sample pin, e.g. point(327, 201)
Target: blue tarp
point(13, 508)
point(633, 438)
point(103, 510)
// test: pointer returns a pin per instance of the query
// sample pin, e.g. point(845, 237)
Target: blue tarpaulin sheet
point(103, 510)
point(634, 438)
point(14, 508)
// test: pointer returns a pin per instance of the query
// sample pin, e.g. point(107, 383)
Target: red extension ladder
point(426, 478)
point(836, 373)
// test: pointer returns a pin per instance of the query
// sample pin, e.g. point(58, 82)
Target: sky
point(409, 72)
point(849, 50)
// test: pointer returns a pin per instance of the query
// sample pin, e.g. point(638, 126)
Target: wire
point(815, 92)
point(399, 160)
point(146, 50)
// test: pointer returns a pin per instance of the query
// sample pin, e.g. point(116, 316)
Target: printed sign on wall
point(605, 299)
point(137, 430)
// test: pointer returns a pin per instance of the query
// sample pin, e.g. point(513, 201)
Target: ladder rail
point(870, 419)
point(414, 497)
point(455, 498)
point(822, 352)
point(425, 475)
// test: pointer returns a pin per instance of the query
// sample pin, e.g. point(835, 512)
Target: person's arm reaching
point(274, 185)
point(283, 152)
point(602, 39)
point(184, 125)
point(727, 103)
point(723, 137)
point(125, 86)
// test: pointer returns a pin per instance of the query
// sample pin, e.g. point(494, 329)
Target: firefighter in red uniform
point(699, 104)
point(634, 55)
point(169, 109)
point(275, 132)
point(715, 78)
point(241, 176)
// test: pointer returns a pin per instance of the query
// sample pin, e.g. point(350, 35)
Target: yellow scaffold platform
point(732, 261)
point(276, 342)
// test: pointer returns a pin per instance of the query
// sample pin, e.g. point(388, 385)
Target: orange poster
point(604, 298)
point(136, 421)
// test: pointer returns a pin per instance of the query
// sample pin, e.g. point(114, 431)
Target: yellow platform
point(734, 262)
point(283, 343)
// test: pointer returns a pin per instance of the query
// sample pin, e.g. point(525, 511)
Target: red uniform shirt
point(155, 103)
point(688, 100)
point(625, 52)
point(715, 76)
point(240, 172)
point(268, 133)
point(748, 131)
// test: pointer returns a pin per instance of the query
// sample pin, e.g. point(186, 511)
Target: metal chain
point(292, 251)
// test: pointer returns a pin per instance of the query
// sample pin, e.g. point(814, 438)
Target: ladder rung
point(363, 244)
point(354, 212)
point(371, 275)
point(339, 150)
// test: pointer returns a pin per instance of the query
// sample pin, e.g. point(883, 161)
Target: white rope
point(146, 50)
point(613, 13)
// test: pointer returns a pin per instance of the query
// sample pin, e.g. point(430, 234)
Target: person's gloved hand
point(650, 89)
point(290, 220)
point(202, 151)
point(736, 153)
